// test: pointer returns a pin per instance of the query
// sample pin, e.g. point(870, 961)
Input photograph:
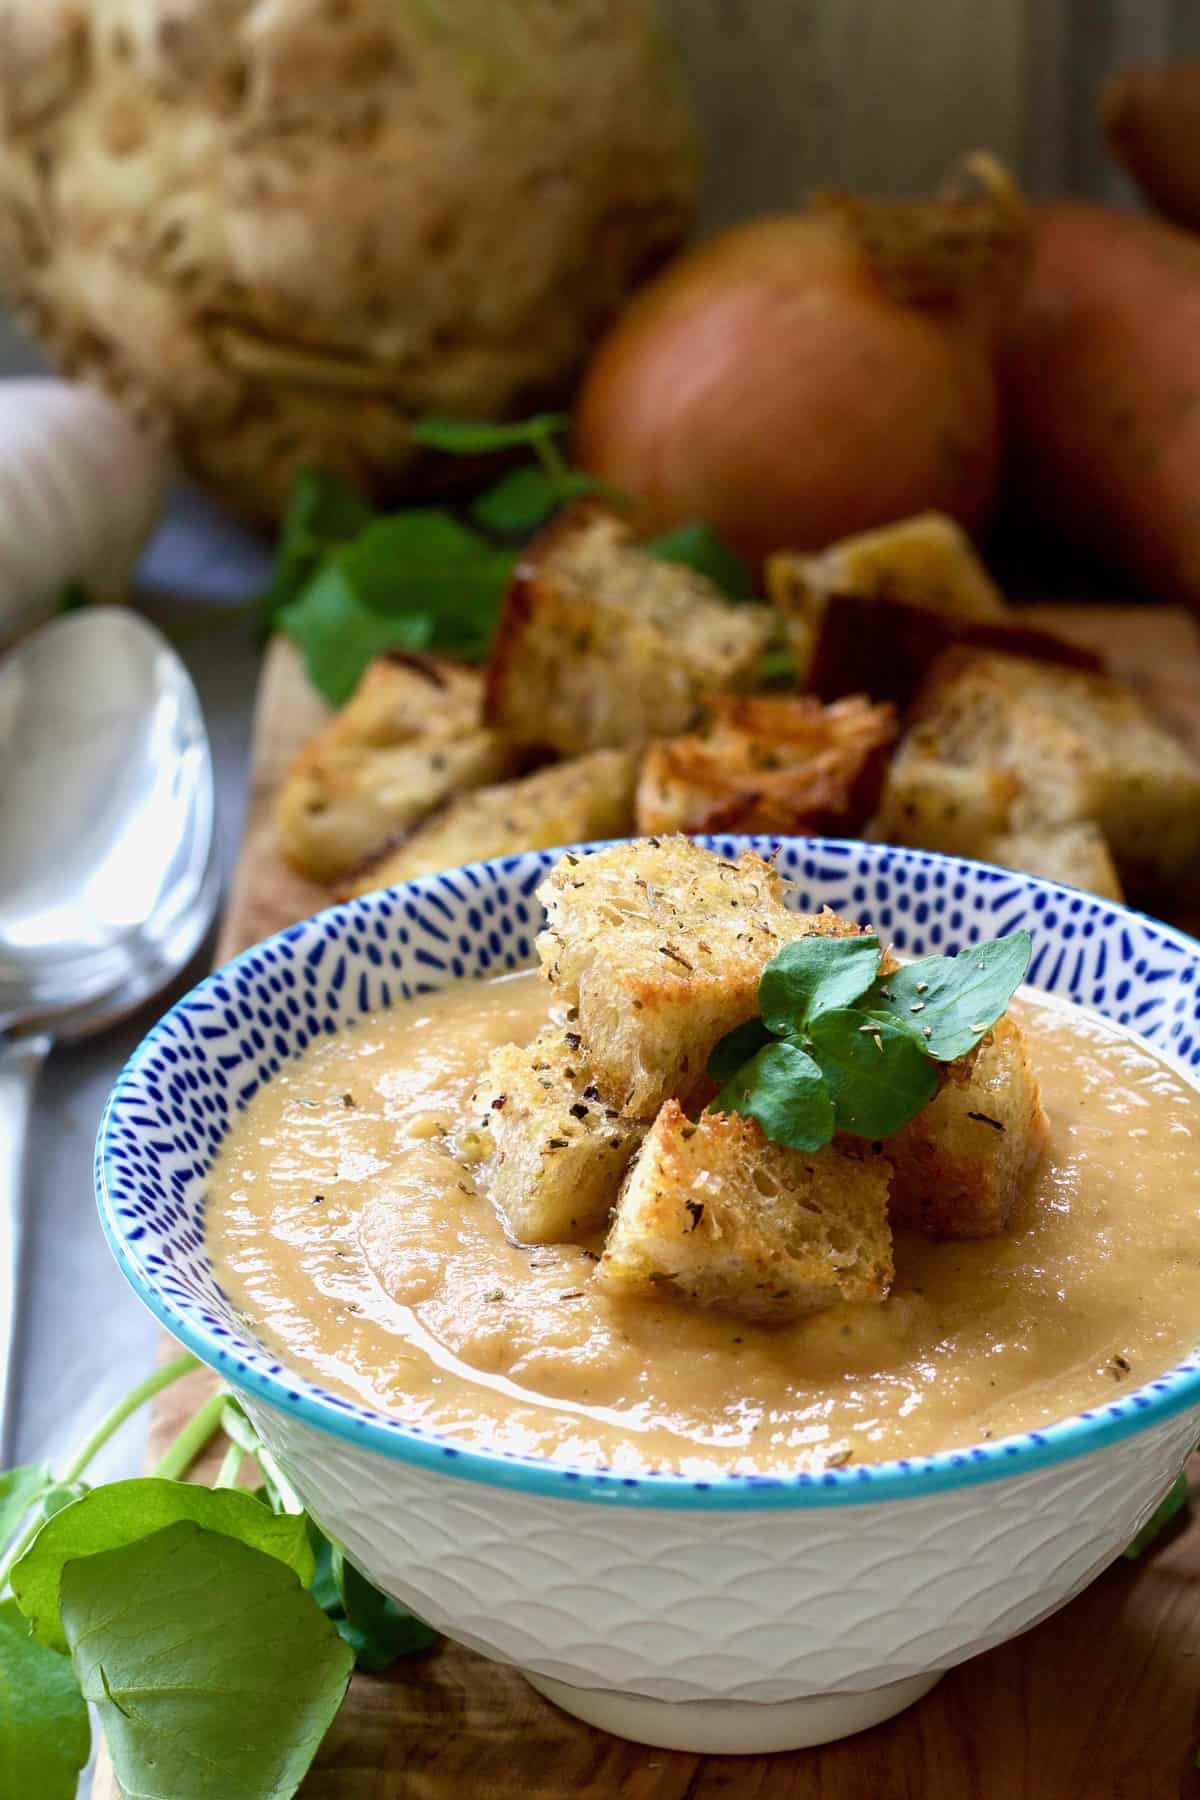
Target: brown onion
point(806, 376)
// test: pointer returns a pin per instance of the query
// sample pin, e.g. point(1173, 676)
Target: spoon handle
point(20, 1060)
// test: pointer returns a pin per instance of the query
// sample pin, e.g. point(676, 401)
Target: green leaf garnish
point(737, 1047)
point(785, 1090)
point(324, 510)
point(777, 668)
point(1175, 1501)
point(699, 547)
point(20, 1491)
point(838, 1047)
point(953, 1001)
point(526, 497)
point(481, 437)
point(875, 1071)
point(44, 1733)
point(215, 1674)
point(377, 1628)
point(125, 1511)
point(815, 975)
point(417, 580)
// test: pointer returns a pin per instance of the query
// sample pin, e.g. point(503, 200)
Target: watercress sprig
point(835, 1046)
point(350, 583)
point(165, 1604)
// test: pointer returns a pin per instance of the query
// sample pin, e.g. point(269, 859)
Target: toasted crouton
point(769, 763)
point(885, 648)
point(402, 697)
point(341, 805)
point(408, 738)
point(716, 1214)
point(600, 644)
point(926, 561)
point(1000, 744)
point(660, 945)
point(551, 1153)
point(568, 803)
point(960, 1165)
point(1148, 782)
point(1076, 854)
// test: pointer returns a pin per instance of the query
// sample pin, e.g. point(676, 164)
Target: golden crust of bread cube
point(714, 1213)
point(568, 803)
point(925, 561)
point(404, 696)
point(770, 763)
point(1076, 854)
point(343, 802)
point(551, 1153)
point(961, 1165)
point(600, 644)
point(660, 945)
point(1001, 744)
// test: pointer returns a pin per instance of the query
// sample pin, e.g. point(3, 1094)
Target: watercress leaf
point(20, 1491)
point(338, 636)
point(777, 668)
point(324, 510)
point(62, 1494)
point(44, 1733)
point(215, 1674)
point(736, 1048)
point(324, 1586)
point(124, 1511)
point(377, 1628)
point(783, 1089)
point(525, 498)
point(814, 975)
point(957, 998)
point(701, 548)
point(479, 437)
point(415, 580)
point(1174, 1502)
point(874, 1068)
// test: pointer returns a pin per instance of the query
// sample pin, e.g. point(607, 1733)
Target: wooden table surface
point(1100, 1702)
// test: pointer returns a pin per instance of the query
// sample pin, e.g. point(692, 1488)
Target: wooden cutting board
point(1101, 1702)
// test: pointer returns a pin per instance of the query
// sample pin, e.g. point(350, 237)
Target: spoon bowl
point(108, 865)
point(106, 818)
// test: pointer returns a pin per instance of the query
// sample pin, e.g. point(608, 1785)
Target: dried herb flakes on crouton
point(714, 1213)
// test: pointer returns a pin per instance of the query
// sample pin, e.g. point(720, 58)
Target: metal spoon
point(108, 864)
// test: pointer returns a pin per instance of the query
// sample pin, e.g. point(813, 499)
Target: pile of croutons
point(654, 951)
point(624, 694)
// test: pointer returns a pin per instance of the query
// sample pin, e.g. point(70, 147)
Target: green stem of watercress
point(164, 1377)
point(195, 1437)
point(551, 458)
point(289, 1499)
point(230, 1468)
point(109, 1425)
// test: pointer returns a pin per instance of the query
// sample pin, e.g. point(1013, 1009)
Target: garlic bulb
point(80, 493)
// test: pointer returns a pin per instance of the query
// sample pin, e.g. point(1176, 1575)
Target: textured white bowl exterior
point(774, 1605)
point(734, 1613)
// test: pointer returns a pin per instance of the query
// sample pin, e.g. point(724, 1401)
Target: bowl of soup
point(695, 1529)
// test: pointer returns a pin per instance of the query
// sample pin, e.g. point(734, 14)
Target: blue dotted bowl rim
point(904, 1478)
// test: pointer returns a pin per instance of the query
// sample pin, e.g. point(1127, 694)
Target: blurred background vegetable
point(80, 492)
point(287, 228)
point(1150, 116)
point(1100, 385)
point(805, 376)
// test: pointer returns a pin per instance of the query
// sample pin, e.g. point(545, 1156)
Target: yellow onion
point(806, 376)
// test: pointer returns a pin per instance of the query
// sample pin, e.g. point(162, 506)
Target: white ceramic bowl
point(741, 1614)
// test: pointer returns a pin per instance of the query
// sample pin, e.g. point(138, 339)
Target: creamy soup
point(359, 1250)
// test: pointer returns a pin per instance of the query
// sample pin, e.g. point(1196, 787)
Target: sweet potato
point(1101, 392)
point(1150, 117)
